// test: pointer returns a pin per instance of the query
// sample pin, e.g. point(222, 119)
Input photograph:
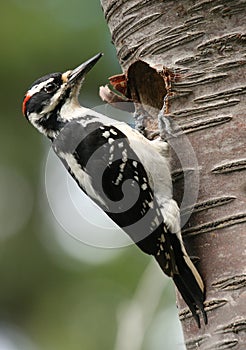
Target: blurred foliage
point(56, 300)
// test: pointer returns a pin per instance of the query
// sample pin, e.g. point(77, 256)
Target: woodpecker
point(125, 174)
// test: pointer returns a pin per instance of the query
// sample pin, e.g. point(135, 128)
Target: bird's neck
point(52, 123)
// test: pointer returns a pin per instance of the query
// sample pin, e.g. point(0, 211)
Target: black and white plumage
point(127, 175)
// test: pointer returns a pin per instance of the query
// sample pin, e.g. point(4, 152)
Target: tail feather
point(186, 278)
point(187, 298)
point(191, 293)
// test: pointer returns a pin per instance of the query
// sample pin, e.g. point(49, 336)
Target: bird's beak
point(79, 73)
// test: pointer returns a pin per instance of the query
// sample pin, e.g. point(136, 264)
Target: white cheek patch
point(54, 100)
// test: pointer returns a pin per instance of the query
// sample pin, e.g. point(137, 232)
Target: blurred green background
point(56, 292)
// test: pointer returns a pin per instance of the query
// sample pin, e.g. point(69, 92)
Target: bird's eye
point(51, 87)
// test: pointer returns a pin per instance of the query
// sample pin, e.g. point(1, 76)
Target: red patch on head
point(26, 99)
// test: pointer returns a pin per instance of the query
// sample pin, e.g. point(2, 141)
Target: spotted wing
point(102, 162)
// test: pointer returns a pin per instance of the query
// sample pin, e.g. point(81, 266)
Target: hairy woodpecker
point(127, 175)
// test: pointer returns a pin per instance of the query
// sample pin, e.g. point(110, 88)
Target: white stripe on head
point(38, 87)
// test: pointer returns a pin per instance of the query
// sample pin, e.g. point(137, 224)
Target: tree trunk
point(201, 45)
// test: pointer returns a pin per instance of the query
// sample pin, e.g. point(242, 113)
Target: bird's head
point(50, 100)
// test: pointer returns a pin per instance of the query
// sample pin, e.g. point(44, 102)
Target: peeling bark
point(202, 44)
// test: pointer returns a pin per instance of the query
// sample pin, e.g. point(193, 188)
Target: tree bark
point(202, 47)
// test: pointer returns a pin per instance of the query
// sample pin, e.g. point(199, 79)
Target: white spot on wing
point(106, 134)
point(122, 166)
point(124, 156)
point(144, 187)
point(111, 158)
point(113, 132)
point(119, 179)
point(156, 220)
